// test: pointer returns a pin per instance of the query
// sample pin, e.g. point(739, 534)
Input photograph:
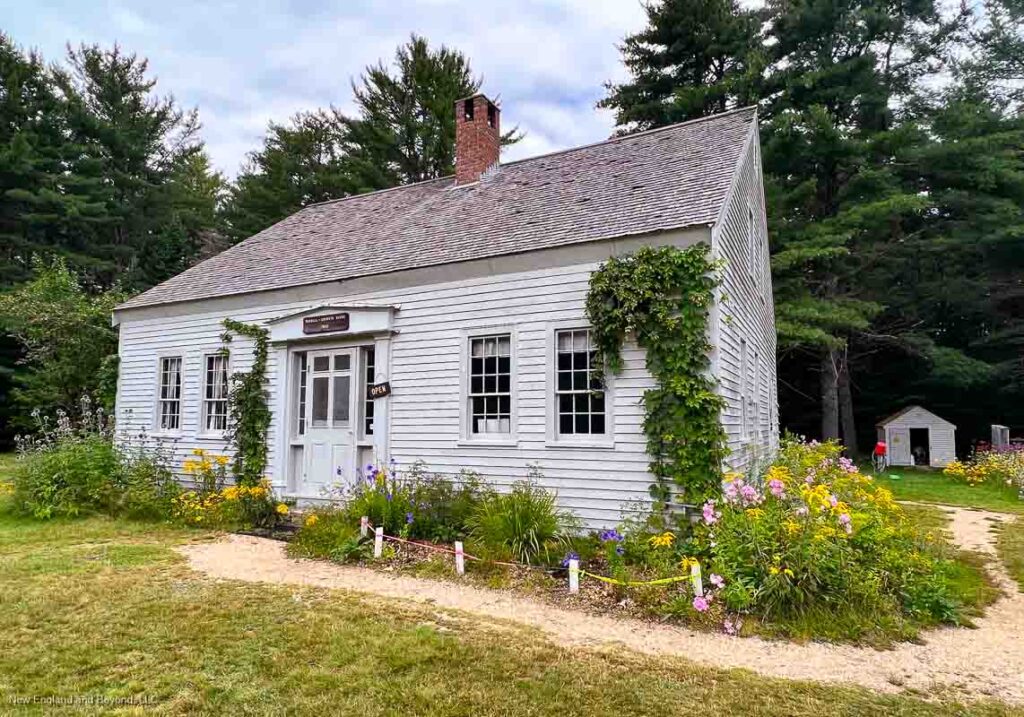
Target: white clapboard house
point(461, 300)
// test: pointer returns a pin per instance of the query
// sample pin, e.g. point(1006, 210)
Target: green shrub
point(75, 475)
point(329, 533)
point(71, 468)
point(524, 524)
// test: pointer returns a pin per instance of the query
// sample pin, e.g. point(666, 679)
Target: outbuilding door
point(330, 436)
point(899, 446)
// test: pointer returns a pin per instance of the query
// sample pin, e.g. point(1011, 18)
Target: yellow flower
point(222, 460)
point(773, 570)
point(664, 540)
point(198, 452)
point(311, 520)
point(754, 513)
point(788, 572)
point(791, 526)
point(730, 477)
point(189, 466)
point(282, 509)
point(230, 493)
point(687, 562)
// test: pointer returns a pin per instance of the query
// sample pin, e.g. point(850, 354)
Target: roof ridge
point(633, 135)
point(555, 153)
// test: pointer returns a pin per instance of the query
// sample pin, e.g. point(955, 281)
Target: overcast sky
point(244, 63)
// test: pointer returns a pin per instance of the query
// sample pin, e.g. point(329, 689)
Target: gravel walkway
point(984, 662)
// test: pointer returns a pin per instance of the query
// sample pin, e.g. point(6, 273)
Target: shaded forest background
point(893, 147)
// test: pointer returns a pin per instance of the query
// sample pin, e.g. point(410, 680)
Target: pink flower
point(833, 500)
point(777, 487)
point(700, 604)
point(750, 495)
point(732, 627)
point(801, 511)
point(717, 580)
point(710, 516)
point(844, 520)
point(730, 491)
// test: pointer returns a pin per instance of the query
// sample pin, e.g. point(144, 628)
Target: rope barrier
point(582, 573)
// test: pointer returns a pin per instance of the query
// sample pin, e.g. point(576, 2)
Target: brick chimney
point(477, 137)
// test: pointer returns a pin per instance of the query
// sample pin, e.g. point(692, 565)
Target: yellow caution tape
point(631, 583)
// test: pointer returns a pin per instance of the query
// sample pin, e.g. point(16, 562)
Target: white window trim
point(201, 431)
point(158, 431)
point(466, 437)
point(553, 438)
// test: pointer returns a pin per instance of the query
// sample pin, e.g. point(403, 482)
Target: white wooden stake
point(698, 584)
point(378, 542)
point(364, 526)
point(574, 575)
point(460, 558)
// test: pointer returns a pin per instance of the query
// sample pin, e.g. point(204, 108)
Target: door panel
point(330, 438)
point(899, 451)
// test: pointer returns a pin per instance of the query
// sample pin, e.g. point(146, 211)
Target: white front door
point(330, 413)
point(899, 447)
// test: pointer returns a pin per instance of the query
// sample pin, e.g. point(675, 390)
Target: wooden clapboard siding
point(426, 359)
point(746, 313)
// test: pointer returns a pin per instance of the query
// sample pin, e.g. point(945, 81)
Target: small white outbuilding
point(917, 437)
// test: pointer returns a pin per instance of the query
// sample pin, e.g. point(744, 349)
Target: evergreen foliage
point(892, 156)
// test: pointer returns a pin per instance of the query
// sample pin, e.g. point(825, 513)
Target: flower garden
point(808, 548)
point(994, 466)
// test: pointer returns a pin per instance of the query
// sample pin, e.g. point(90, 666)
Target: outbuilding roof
point(663, 179)
point(904, 411)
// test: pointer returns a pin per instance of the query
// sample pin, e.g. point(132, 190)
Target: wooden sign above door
point(325, 324)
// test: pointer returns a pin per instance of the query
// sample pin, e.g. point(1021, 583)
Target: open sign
point(379, 390)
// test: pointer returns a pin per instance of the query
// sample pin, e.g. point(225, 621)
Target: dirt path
point(987, 661)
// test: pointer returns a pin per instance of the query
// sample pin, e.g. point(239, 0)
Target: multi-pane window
point(490, 384)
point(578, 393)
point(169, 402)
point(369, 357)
point(215, 393)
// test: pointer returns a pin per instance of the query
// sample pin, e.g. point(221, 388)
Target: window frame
point(203, 431)
point(467, 437)
point(158, 401)
point(554, 438)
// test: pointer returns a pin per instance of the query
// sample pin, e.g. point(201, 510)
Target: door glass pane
point(320, 387)
point(321, 363)
point(342, 385)
point(343, 362)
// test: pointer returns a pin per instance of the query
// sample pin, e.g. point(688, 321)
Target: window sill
point(488, 443)
point(581, 445)
point(211, 437)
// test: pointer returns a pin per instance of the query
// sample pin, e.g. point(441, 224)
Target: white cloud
point(244, 64)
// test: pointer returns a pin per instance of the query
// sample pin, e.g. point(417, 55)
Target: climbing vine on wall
point(662, 297)
point(248, 411)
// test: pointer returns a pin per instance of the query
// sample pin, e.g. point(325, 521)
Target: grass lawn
point(1010, 544)
point(105, 609)
point(931, 486)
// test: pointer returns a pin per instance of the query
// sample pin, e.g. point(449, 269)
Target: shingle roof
point(663, 179)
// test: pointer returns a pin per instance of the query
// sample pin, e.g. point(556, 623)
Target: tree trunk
point(849, 425)
point(829, 395)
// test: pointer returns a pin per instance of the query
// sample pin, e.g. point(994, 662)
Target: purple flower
point(610, 535)
point(777, 487)
point(844, 520)
point(717, 580)
point(408, 518)
point(801, 511)
point(389, 496)
point(619, 550)
point(700, 604)
point(833, 501)
point(730, 491)
point(569, 556)
point(750, 495)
